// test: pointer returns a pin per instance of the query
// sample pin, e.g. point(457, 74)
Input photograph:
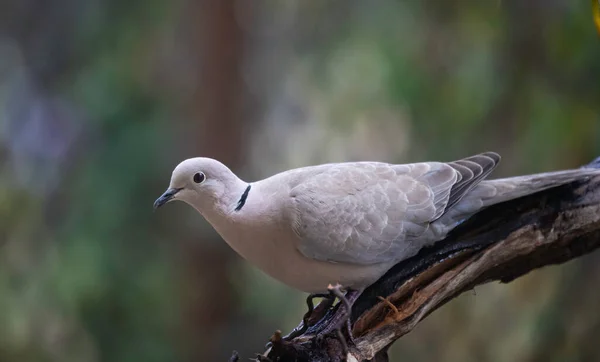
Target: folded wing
point(367, 212)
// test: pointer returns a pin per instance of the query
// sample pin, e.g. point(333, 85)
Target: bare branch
point(501, 243)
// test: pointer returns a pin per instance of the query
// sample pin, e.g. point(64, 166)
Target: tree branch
point(500, 243)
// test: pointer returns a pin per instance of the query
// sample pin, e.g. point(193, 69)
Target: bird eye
point(199, 177)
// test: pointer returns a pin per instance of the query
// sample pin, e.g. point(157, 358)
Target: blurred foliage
point(596, 13)
point(95, 98)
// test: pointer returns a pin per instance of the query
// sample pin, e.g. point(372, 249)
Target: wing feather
point(369, 212)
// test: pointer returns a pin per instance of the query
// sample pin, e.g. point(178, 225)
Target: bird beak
point(166, 197)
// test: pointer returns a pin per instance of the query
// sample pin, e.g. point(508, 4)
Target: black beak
point(166, 197)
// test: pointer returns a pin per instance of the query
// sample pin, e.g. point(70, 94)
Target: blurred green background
point(100, 99)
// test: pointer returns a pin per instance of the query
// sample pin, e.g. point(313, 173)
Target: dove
point(345, 223)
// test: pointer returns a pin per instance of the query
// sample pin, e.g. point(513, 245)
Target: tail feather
point(501, 190)
point(491, 192)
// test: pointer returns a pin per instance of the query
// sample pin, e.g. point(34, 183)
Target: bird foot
point(312, 315)
point(340, 318)
point(321, 323)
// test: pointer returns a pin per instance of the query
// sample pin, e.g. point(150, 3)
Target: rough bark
point(501, 243)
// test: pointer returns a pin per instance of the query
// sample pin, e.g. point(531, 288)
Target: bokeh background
point(100, 99)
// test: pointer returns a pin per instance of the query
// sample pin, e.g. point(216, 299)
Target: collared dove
point(345, 223)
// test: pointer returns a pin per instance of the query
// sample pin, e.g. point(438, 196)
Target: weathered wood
point(501, 243)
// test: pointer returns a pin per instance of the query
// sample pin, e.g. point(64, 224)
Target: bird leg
point(313, 314)
point(340, 317)
point(340, 337)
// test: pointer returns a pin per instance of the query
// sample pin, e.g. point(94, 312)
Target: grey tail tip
point(594, 164)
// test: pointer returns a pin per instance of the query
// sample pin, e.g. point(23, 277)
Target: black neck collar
point(242, 200)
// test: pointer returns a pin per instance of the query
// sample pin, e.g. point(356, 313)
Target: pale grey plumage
point(367, 212)
point(347, 222)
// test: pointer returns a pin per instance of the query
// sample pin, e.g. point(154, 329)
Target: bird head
point(200, 182)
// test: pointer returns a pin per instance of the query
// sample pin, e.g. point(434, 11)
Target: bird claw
point(341, 317)
point(339, 335)
point(312, 315)
point(342, 340)
point(315, 316)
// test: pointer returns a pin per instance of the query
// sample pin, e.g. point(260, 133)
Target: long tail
point(491, 192)
point(500, 190)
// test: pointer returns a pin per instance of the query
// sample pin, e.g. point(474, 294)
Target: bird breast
point(272, 249)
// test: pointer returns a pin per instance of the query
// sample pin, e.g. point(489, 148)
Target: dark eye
point(199, 177)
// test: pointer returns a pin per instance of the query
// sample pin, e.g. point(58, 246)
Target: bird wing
point(367, 212)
